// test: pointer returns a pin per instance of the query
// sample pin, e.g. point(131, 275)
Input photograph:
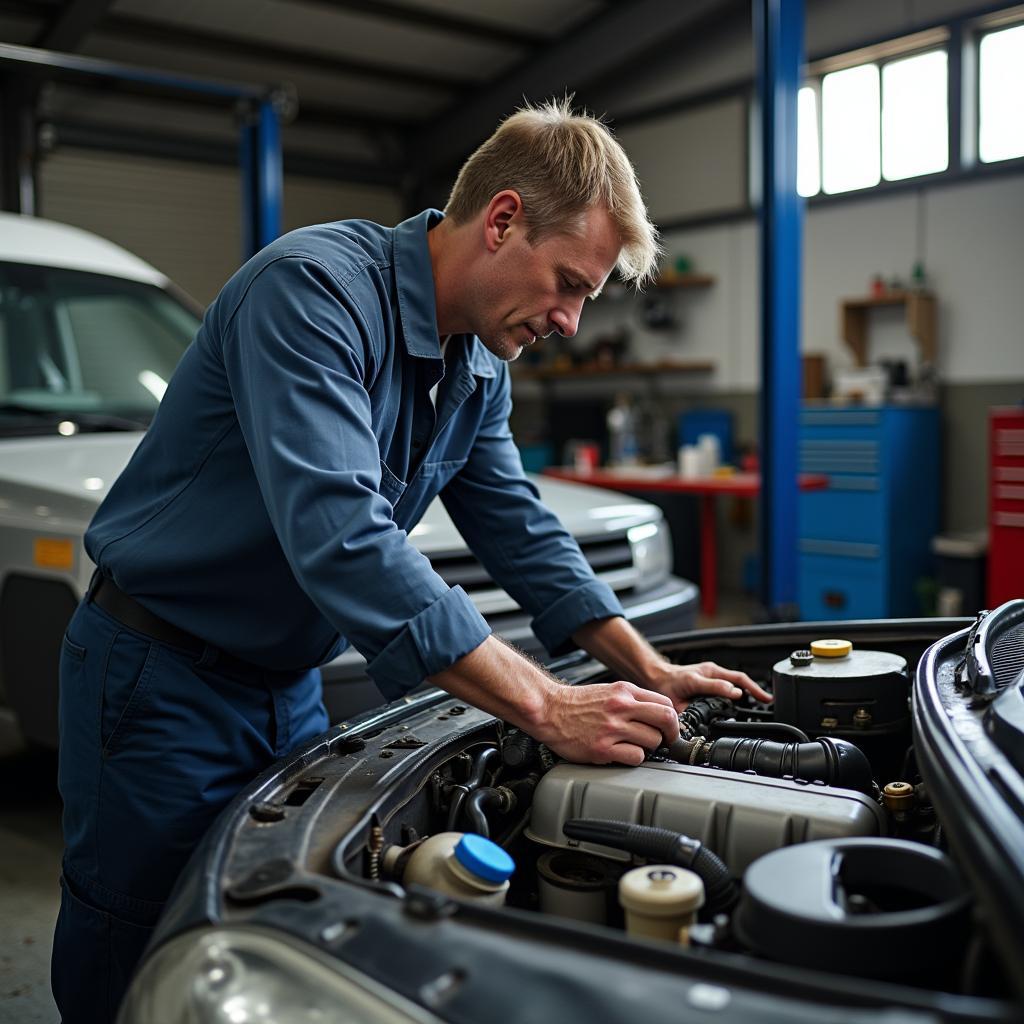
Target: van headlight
point(243, 976)
point(652, 553)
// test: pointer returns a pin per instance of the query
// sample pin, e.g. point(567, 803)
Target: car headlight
point(652, 553)
point(243, 976)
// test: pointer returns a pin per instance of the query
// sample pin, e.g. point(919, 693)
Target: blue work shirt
point(267, 509)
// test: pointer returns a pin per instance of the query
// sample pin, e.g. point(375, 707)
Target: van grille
point(610, 556)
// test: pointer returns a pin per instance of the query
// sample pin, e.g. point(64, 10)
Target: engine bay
point(797, 838)
point(803, 826)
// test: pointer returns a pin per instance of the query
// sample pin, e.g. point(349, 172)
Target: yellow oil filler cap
point(831, 648)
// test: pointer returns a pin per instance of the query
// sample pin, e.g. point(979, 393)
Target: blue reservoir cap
point(484, 858)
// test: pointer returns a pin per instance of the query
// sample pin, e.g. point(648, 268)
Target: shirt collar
point(414, 278)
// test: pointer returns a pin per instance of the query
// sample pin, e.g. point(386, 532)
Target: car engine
point(798, 832)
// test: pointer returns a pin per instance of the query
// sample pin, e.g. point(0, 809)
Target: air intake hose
point(832, 761)
point(662, 846)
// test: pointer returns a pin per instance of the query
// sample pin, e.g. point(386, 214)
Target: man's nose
point(566, 320)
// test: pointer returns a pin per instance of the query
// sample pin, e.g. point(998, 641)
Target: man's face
point(530, 291)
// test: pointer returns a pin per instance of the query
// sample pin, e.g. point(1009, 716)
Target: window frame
point(961, 37)
point(987, 28)
point(816, 82)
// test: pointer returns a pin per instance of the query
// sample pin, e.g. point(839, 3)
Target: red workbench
point(740, 485)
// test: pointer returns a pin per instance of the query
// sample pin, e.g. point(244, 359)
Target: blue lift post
point(262, 177)
point(778, 33)
point(260, 155)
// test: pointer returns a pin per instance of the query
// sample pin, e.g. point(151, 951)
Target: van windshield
point(97, 351)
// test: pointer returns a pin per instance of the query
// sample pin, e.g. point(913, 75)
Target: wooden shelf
point(684, 281)
point(920, 311)
point(623, 370)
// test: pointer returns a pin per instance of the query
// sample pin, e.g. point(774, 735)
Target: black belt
point(116, 603)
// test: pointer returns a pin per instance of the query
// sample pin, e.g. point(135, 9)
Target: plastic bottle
point(661, 901)
point(623, 447)
point(463, 865)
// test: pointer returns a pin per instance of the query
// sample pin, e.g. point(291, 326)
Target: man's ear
point(504, 211)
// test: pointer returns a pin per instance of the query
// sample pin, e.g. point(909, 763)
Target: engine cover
point(739, 817)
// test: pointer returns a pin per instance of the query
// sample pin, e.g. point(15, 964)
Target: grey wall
point(183, 217)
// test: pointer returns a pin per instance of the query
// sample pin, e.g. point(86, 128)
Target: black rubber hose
point(833, 761)
point(477, 804)
point(779, 730)
point(702, 711)
point(476, 777)
point(662, 846)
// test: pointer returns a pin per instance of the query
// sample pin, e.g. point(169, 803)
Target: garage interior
point(878, 294)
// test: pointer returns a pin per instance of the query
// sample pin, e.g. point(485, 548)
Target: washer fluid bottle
point(463, 865)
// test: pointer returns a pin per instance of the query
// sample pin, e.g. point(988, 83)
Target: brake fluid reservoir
point(832, 688)
point(463, 865)
point(661, 901)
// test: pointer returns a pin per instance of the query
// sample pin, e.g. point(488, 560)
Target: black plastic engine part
point(863, 692)
point(832, 761)
point(519, 749)
point(879, 908)
point(662, 846)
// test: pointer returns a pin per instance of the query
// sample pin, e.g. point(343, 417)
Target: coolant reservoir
point(463, 865)
point(661, 901)
point(833, 689)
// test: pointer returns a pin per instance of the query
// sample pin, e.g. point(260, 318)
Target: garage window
point(1001, 95)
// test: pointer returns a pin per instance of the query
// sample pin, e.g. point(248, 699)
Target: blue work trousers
point(154, 742)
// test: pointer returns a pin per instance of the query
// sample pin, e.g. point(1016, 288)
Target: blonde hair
point(561, 163)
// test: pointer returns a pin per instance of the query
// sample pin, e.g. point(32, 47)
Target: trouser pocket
point(128, 673)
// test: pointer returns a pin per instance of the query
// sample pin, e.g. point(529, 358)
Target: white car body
point(51, 485)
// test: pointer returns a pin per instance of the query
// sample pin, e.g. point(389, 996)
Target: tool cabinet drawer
point(849, 509)
point(838, 586)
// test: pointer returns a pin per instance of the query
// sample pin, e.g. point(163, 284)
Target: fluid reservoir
point(834, 689)
point(463, 865)
point(661, 901)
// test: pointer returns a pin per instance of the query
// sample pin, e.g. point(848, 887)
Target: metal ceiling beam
point(72, 24)
point(133, 29)
point(615, 38)
point(222, 44)
point(419, 17)
point(193, 149)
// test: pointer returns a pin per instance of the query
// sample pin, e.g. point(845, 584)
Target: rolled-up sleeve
point(296, 354)
point(518, 539)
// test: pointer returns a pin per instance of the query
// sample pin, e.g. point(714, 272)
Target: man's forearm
point(499, 680)
point(615, 643)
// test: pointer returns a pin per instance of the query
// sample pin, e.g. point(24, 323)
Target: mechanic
point(343, 378)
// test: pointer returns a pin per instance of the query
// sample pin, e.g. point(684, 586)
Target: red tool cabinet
point(1006, 505)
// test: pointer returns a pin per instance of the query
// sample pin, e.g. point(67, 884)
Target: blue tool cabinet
point(865, 541)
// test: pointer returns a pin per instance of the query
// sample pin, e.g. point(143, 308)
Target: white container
point(661, 901)
point(466, 866)
point(710, 453)
point(690, 462)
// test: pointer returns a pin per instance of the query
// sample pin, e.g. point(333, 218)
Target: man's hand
point(680, 683)
point(591, 724)
point(607, 722)
point(615, 642)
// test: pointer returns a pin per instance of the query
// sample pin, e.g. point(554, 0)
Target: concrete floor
point(30, 851)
